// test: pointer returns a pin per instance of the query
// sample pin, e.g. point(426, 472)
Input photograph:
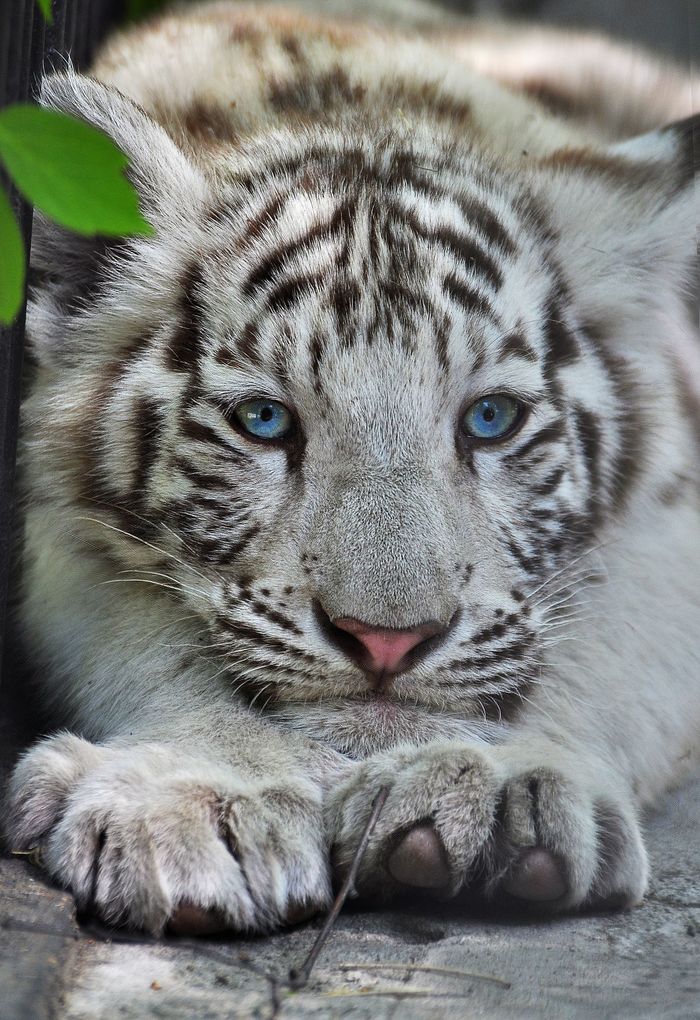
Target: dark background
point(669, 26)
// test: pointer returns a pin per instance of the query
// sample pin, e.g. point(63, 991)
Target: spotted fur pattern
point(375, 226)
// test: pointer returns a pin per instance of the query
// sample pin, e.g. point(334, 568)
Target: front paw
point(461, 816)
point(147, 836)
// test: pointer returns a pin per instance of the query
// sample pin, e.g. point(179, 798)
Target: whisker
point(562, 570)
point(149, 545)
point(141, 580)
point(168, 577)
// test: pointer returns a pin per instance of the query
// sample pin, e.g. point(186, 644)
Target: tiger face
point(361, 414)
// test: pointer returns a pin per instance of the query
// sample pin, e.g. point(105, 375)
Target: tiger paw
point(460, 816)
point(148, 837)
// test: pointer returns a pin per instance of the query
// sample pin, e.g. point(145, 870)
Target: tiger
point(372, 471)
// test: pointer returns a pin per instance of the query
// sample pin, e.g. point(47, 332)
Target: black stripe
point(467, 297)
point(202, 433)
point(265, 217)
point(405, 171)
point(442, 336)
point(271, 614)
point(575, 528)
point(147, 419)
point(96, 488)
point(248, 343)
point(464, 248)
point(290, 291)
point(259, 638)
point(550, 483)
point(589, 434)
point(478, 215)
point(514, 651)
point(496, 630)
point(276, 260)
point(515, 345)
point(628, 461)
point(225, 356)
point(301, 162)
point(344, 299)
point(282, 357)
point(561, 346)
point(199, 478)
point(185, 347)
point(215, 550)
point(530, 564)
point(547, 434)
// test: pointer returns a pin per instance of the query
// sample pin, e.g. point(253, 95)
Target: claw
point(191, 920)
point(300, 912)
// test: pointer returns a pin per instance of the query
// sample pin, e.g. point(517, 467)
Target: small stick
point(427, 968)
point(402, 993)
point(298, 977)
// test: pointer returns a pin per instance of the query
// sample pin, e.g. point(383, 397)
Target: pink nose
point(386, 648)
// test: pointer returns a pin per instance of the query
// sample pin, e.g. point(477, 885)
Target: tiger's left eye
point(264, 419)
point(493, 417)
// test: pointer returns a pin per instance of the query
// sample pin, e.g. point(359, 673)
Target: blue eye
point(492, 417)
point(264, 419)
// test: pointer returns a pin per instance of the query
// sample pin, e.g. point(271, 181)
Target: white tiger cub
point(377, 464)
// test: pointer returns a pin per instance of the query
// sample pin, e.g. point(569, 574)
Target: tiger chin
point(376, 465)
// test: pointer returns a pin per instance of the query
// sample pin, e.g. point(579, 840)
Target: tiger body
point(374, 227)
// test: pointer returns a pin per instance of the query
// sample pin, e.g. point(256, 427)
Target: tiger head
point(367, 404)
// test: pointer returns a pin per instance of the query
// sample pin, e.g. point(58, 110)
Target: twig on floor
point(403, 993)
point(298, 977)
point(428, 969)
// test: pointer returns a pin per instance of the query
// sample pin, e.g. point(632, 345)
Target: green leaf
point(45, 6)
point(70, 170)
point(11, 263)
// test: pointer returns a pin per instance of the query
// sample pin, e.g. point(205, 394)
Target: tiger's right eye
point(495, 416)
point(264, 419)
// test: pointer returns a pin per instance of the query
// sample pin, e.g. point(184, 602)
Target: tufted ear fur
point(626, 218)
point(67, 268)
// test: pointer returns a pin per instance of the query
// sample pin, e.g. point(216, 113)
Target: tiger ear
point(66, 268)
point(159, 170)
point(626, 218)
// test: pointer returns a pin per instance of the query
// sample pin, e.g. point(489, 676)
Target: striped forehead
point(429, 261)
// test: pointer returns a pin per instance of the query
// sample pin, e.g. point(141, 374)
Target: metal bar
point(29, 48)
point(11, 342)
point(15, 80)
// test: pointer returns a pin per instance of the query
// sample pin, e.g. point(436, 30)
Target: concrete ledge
point(411, 963)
